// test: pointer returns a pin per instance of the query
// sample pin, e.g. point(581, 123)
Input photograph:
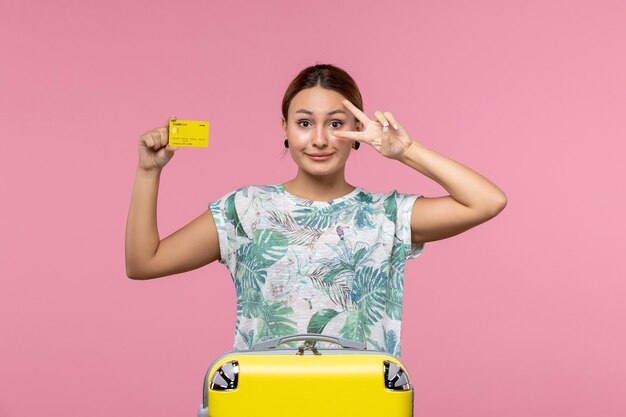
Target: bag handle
point(345, 343)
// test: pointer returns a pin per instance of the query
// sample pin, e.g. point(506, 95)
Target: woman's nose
point(321, 137)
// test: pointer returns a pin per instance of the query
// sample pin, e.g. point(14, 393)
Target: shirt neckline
point(351, 194)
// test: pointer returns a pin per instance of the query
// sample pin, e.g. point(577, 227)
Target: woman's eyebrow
point(329, 113)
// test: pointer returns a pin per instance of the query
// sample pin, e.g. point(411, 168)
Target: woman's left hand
point(384, 134)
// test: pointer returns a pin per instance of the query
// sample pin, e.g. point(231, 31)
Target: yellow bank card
point(189, 133)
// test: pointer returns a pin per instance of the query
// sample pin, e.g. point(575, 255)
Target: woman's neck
point(318, 188)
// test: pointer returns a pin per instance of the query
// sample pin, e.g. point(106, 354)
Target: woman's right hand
point(154, 152)
point(147, 255)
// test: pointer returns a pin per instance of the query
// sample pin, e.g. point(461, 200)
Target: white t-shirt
point(301, 266)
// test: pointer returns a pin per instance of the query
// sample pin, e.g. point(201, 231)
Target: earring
point(286, 143)
point(356, 145)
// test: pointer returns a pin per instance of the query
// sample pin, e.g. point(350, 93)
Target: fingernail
point(395, 126)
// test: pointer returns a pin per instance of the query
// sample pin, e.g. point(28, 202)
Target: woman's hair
point(326, 76)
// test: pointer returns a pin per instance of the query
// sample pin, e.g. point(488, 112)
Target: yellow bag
point(271, 382)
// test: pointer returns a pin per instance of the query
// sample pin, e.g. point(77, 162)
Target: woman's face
point(313, 115)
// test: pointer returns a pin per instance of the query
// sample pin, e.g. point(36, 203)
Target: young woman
point(314, 254)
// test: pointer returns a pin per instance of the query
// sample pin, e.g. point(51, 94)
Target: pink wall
point(522, 316)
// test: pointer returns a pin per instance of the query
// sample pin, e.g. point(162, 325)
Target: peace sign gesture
point(390, 142)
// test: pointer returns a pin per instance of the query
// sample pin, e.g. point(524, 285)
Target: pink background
point(522, 316)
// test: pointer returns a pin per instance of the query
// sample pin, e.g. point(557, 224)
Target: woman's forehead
point(317, 100)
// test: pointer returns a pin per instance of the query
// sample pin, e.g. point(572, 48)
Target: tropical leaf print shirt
point(330, 267)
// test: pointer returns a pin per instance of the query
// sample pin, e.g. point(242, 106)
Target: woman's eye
point(336, 124)
point(304, 123)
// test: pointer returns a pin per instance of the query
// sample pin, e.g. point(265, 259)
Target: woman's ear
point(284, 126)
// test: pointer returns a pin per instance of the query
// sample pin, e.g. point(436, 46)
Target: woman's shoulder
point(247, 191)
point(367, 196)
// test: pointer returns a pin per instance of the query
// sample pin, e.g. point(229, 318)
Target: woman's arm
point(473, 198)
point(191, 247)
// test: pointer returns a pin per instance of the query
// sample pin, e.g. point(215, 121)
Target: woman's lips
point(320, 157)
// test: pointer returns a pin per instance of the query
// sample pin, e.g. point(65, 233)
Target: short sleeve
point(224, 212)
point(403, 224)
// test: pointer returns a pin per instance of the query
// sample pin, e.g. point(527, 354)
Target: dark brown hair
point(326, 76)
